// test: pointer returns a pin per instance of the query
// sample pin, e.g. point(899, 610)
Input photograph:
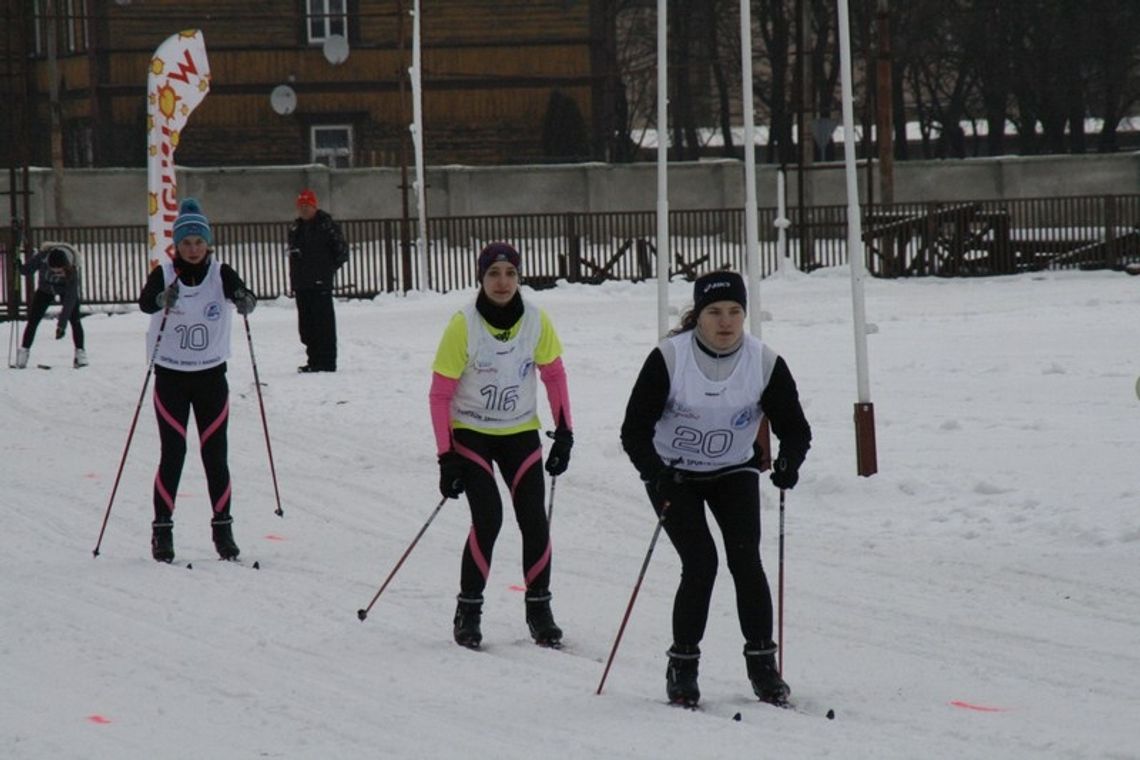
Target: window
point(326, 18)
point(331, 145)
point(70, 27)
point(79, 143)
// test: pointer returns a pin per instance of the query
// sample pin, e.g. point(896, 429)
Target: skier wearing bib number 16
point(690, 430)
point(484, 411)
point(190, 325)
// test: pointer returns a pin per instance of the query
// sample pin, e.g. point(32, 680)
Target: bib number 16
point(500, 399)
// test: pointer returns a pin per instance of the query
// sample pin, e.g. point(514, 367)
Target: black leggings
point(519, 457)
point(40, 303)
point(734, 500)
point(174, 394)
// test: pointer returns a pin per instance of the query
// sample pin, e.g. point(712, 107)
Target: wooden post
point(866, 460)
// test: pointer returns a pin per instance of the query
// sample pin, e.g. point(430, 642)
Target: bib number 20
point(707, 443)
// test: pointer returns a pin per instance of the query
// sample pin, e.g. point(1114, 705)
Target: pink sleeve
point(554, 378)
point(439, 399)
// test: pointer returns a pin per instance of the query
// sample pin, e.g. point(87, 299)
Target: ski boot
point(162, 540)
point(224, 537)
point(540, 620)
point(767, 684)
point(80, 358)
point(22, 357)
point(468, 615)
point(681, 675)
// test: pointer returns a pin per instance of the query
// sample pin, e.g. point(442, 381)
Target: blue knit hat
point(191, 221)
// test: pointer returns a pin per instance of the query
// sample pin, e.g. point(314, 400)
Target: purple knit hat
point(493, 252)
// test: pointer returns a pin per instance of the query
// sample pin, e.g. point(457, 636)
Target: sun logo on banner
point(166, 98)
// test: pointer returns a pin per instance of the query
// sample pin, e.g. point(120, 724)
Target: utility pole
point(805, 143)
point(883, 99)
point(405, 214)
point(56, 120)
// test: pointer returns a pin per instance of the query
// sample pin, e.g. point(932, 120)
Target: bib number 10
point(194, 337)
point(707, 443)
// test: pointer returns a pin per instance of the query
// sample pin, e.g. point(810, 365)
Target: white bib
point(498, 388)
point(708, 424)
point(197, 332)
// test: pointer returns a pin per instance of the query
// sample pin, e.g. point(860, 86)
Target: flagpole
point(866, 459)
point(662, 170)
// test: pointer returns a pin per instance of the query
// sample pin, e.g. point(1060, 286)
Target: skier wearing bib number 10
point(690, 430)
point(189, 340)
point(484, 412)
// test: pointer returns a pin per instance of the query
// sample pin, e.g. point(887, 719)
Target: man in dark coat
point(316, 251)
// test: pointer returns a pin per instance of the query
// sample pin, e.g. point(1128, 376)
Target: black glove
point(452, 467)
point(559, 458)
point(295, 253)
point(785, 475)
point(167, 298)
point(245, 301)
point(663, 482)
point(59, 331)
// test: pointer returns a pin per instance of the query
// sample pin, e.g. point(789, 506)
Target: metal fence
point(945, 239)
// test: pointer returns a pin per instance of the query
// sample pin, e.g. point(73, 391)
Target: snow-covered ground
point(979, 597)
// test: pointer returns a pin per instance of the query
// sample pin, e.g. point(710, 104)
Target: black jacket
point(316, 250)
point(780, 403)
point(65, 286)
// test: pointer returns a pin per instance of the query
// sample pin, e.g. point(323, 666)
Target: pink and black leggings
point(208, 394)
point(519, 459)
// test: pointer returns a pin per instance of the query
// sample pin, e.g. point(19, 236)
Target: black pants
point(316, 322)
point(519, 457)
point(208, 393)
point(40, 303)
point(734, 501)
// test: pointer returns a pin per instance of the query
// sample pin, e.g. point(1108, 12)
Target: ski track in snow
point(979, 597)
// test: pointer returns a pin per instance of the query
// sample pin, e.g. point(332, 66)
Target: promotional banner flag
point(178, 80)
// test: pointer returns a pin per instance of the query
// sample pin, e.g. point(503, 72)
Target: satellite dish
point(283, 99)
point(336, 49)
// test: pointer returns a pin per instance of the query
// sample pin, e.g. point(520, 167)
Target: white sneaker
point(80, 358)
point(22, 357)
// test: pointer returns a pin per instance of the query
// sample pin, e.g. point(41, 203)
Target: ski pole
point(550, 506)
point(131, 432)
point(633, 596)
point(264, 423)
point(780, 584)
point(363, 613)
point(12, 332)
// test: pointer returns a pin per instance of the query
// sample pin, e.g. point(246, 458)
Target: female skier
point(57, 265)
point(690, 430)
point(189, 338)
point(484, 411)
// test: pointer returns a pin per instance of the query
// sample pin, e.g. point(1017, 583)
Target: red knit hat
point(307, 198)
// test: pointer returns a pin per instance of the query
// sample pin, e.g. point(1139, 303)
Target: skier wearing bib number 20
point(690, 430)
point(186, 298)
point(484, 411)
